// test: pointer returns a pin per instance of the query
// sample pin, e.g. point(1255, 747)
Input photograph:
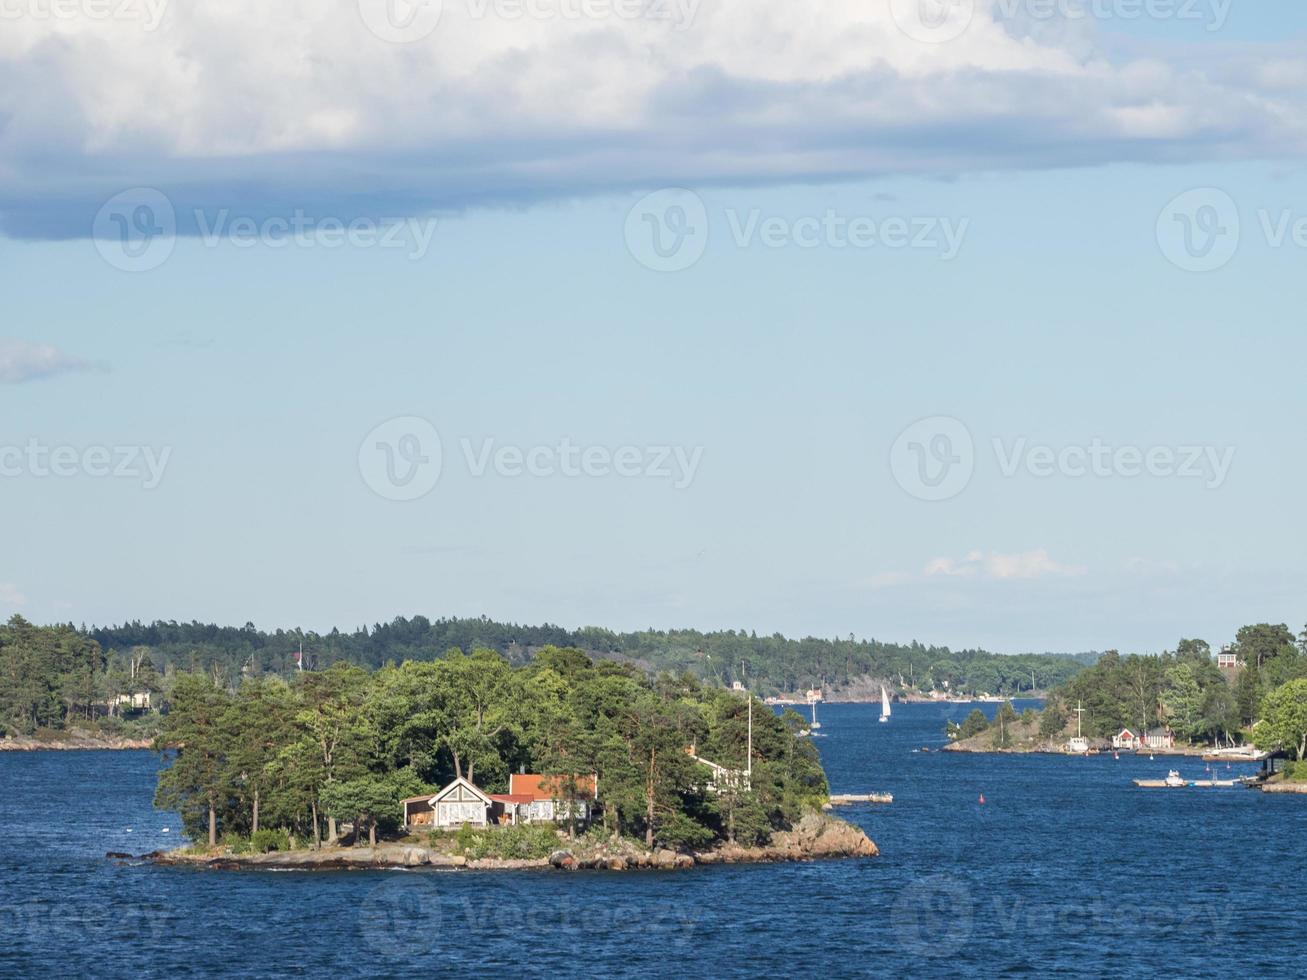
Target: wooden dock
point(847, 799)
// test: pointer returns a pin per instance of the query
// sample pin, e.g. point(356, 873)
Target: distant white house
point(1159, 738)
point(530, 798)
point(723, 777)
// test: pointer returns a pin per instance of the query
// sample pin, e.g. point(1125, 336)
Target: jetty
point(848, 799)
point(1174, 781)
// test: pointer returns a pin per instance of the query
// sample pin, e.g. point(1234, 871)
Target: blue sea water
point(1066, 868)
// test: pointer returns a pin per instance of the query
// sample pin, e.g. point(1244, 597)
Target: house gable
point(461, 791)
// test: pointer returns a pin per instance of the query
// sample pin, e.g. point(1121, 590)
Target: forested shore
point(1189, 700)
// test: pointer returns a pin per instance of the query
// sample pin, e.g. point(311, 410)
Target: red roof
point(512, 798)
point(537, 787)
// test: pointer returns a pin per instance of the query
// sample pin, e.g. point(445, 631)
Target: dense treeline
point(344, 744)
point(766, 664)
point(55, 676)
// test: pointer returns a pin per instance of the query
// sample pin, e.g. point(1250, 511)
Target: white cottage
point(457, 804)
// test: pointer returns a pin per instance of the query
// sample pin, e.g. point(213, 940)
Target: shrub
point(525, 841)
point(263, 841)
point(234, 843)
point(1296, 770)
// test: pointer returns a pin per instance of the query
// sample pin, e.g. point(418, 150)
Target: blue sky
point(759, 396)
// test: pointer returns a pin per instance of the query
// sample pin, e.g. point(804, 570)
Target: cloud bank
point(270, 107)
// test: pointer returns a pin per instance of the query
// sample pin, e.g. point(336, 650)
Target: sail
point(884, 702)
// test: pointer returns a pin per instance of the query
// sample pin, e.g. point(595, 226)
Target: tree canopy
point(344, 744)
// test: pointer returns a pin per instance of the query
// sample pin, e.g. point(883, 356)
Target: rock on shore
point(816, 836)
point(74, 741)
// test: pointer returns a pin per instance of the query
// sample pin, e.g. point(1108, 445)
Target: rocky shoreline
point(73, 743)
point(816, 837)
point(1283, 786)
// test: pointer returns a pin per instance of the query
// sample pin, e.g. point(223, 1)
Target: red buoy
point(982, 799)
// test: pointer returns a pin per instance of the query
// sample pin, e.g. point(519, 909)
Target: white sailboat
point(815, 723)
point(884, 705)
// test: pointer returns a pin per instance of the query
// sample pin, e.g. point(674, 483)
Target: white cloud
point(10, 596)
point(996, 566)
point(271, 106)
point(21, 361)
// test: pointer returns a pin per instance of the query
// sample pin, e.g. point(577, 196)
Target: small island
point(470, 762)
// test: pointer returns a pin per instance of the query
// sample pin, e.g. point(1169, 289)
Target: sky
point(970, 323)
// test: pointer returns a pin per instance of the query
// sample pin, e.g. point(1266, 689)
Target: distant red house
point(546, 798)
point(1125, 739)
